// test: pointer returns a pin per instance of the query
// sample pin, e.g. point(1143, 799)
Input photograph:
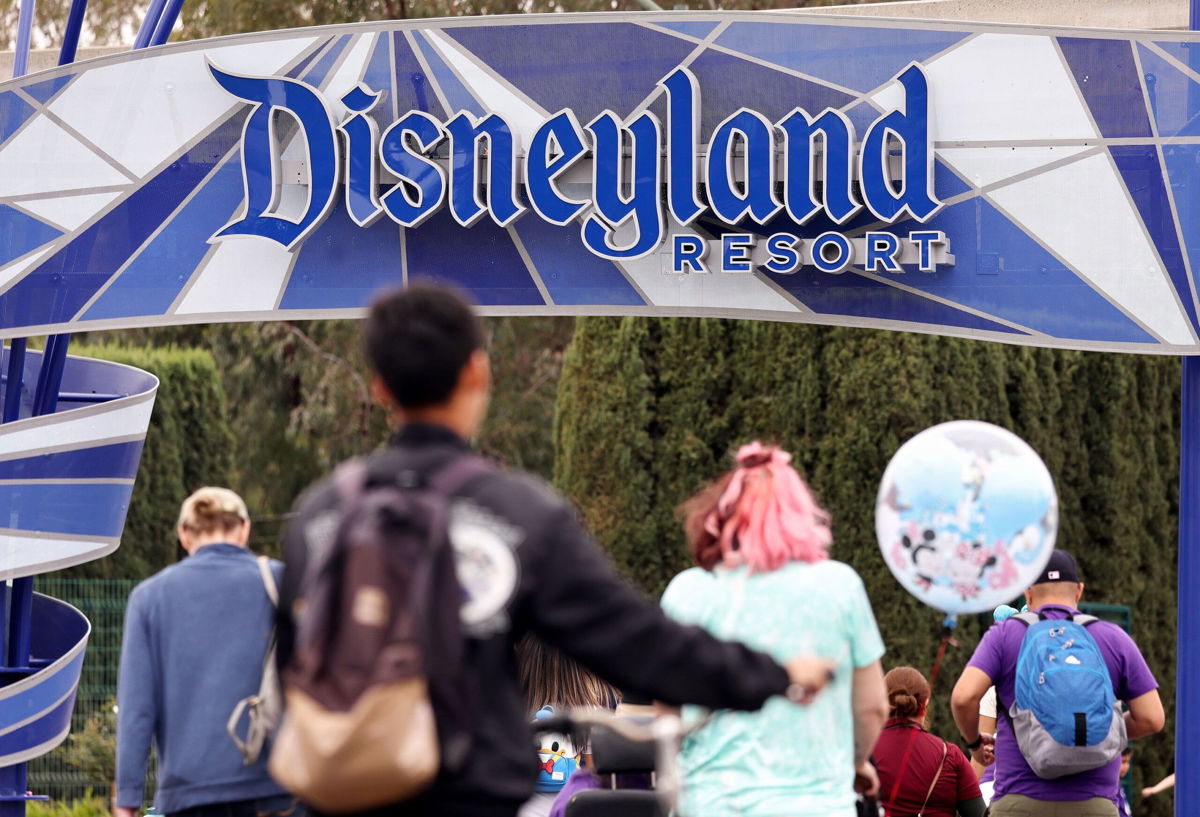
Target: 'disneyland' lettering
point(481, 171)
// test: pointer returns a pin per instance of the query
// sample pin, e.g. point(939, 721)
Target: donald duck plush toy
point(557, 756)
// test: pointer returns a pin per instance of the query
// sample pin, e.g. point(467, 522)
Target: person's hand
point(808, 676)
point(985, 753)
point(866, 779)
point(122, 811)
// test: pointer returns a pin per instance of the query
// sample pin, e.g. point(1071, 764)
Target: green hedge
point(650, 409)
point(189, 444)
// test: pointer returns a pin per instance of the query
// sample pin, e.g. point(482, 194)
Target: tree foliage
point(648, 410)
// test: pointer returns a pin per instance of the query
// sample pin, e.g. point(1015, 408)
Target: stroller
point(644, 747)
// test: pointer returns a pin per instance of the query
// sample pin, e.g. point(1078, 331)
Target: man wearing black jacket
point(525, 564)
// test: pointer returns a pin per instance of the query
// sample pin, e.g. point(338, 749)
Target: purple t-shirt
point(996, 656)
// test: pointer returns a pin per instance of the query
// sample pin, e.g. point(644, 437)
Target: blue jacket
point(195, 638)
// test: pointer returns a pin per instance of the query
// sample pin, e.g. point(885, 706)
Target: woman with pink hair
point(764, 577)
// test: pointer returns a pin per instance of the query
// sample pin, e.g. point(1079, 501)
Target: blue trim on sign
point(1168, 89)
point(81, 267)
point(113, 461)
point(14, 112)
point(378, 73)
point(80, 509)
point(1183, 164)
point(771, 93)
point(42, 695)
point(39, 732)
point(697, 30)
point(23, 233)
point(946, 183)
point(1106, 74)
point(588, 67)
point(314, 52)
point(1143, 178)
point(482, 260)
point(854, 57)
point(458, 96)
point(378, 77)
point(414, 90)
point(1179, 49)
point(152, 281)
point(573, 274)
point(318, 73)
point(46, 90)
point(341, 265)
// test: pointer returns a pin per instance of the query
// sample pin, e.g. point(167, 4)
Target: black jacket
point(527, 564)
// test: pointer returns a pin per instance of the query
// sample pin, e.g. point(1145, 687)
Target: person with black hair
point(525, 564)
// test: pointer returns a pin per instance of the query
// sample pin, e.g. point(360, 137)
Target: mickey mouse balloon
point(966, 516)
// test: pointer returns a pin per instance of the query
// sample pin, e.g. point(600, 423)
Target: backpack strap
point(453, 476)
point(1083, 619)
point(1029, 618)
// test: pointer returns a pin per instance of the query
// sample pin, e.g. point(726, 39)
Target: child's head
point(548, 677)
point(1126, 756)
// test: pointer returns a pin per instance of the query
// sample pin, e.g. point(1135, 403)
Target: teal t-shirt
point(785, 760)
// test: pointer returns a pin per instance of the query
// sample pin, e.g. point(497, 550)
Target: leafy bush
point(89, 806)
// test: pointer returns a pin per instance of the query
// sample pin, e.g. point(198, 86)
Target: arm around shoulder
point(580, 605)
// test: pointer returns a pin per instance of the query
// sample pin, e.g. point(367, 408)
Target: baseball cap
point(1060, 568)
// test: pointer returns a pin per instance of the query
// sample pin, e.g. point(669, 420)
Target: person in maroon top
point(920, 775)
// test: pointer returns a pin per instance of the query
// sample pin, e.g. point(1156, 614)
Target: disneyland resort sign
point(751, 168)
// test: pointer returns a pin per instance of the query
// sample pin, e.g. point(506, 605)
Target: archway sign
point(1032, 186)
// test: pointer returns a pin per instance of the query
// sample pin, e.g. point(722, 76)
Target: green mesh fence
point(103, 602)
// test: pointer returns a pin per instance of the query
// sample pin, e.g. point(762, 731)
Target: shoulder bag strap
point(936, 778)
point(268, 579)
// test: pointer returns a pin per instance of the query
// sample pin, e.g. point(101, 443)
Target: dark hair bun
point(903, 704)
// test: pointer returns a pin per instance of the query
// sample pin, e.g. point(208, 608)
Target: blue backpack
point(1064, 715)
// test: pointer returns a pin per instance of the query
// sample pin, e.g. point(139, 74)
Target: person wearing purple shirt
point(1019, 791)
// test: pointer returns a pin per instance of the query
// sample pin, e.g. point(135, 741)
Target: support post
point(1187, 665)
point(16, 373)
point(149, 24)
point(166, 22)
point(71, 34)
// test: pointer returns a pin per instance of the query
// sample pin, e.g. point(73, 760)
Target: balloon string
point(948, 625)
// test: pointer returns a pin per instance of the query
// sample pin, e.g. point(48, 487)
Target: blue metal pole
point(71, 35)
point(149, 23)
point(1187, 656)
point(12, 390)
point(24, 34)
point(1187, 662)
point(162, 31)
point(54, 360)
